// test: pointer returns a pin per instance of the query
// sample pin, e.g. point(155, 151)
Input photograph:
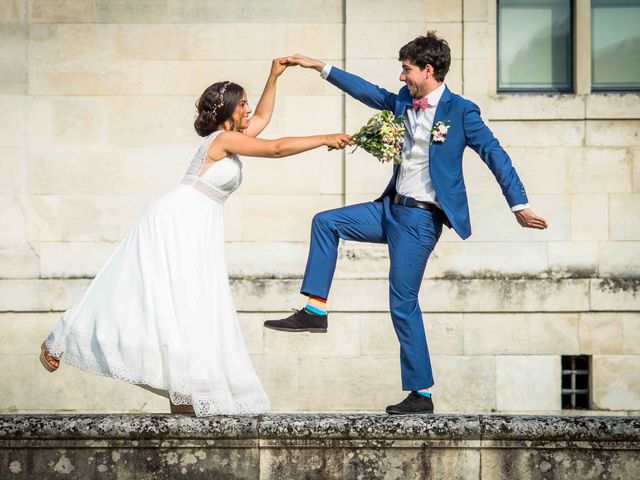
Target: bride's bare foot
point(47, 361)
point(181, 408)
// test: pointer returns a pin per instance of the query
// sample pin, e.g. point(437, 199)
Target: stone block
point(377, 336)
point(276, 218)
point(612, 133)
point(624, 212)
point(612, 105)
point(341, 340)
point(528, 383)
point(11, 120)
point(60, 41)
point(280, 377)
point(616, 382)
point(635, 155)
point(492, 219)
point(150, 121)
point(18, 379)
point(477, 80)
point(475, 11)
point(362, 260)
point(615, 294)
point(381, 11)
point(589, 217)
point(84, 77)
point(454, 374)
point(495, 334)
point(365, 175)
point(13, 11)
point(266, 259)
point(443, 11)
point(318, 40)
point(337, 384)
point(79, 121)
point(541, 170)
point(487, 260)
point(538, 108)
point(72, 259)
point(600, 333)
point(253, 331)
point(36, 295)
point(99, 218)
point(619, 259)
point(22, 333)
point(271, 11)
point(61, 11)
point(454, 77)
point(445, 333)
point(573, 259)
point(536, 133)
point(13, 55)
point(121, 11)
point(233, 230)
point(476, 40)
point(630, 332)
point(43, 218)
point(553, 334)
point(504, 295)
point(380, 40)
point(600, 170)
point(12, 216)
point(12, 169)
point(19, 262)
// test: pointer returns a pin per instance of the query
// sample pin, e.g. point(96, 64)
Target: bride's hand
point(337, 141)
point(278, 66)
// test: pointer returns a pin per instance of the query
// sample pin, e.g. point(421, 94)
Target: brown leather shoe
point(299, 321)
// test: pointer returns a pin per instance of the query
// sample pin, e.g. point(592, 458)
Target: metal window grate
point(576, 381)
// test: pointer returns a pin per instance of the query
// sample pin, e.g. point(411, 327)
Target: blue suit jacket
point(466, 128)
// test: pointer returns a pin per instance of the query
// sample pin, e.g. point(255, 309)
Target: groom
point(425, 191)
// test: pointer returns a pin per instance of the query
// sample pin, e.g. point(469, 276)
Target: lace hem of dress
point(208, 398)
point(203, 187)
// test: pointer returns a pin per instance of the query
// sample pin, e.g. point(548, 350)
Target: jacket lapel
point(441, 114)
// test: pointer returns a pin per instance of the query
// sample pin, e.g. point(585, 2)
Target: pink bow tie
point(420, 104)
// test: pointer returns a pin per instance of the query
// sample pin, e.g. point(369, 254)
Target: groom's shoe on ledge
point(300, 321)
point(414, 404)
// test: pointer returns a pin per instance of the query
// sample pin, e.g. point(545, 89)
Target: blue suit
point(410, 233)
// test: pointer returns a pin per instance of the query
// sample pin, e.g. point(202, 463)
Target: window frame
point(541, 90)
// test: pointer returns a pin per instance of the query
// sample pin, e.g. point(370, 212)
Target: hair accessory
point(217, 106)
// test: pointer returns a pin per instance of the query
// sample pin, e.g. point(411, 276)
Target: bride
point(160, 313)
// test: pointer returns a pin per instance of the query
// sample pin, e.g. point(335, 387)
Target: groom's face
point(414, 77)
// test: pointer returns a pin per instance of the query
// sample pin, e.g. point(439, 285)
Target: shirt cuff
point(326, 70)
point(521, 206)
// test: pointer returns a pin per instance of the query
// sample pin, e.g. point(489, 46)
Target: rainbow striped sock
point(425, 392)
point(316, 306)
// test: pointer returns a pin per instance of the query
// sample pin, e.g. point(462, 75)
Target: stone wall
point(319, 447)
point(96, 110)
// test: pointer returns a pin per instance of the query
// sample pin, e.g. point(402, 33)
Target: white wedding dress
point(160, 313)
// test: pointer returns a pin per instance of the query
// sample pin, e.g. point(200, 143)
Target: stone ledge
point(322, 426)
point(319, 446)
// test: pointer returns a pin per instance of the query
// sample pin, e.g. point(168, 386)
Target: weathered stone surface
point(319, 446)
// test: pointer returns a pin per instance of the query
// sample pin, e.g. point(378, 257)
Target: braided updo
point(216, 105)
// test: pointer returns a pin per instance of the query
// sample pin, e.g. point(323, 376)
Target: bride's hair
point(216, 105)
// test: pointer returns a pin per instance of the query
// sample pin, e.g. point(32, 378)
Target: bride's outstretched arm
point(264, 109)
point(242, 144)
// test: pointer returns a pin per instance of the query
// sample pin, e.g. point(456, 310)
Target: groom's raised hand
point(303, 61)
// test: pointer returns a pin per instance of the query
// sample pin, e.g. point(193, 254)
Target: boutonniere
point(439, 132)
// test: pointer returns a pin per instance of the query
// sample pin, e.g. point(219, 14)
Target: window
point(615, 45)
point(576, 382)
point(535, 47)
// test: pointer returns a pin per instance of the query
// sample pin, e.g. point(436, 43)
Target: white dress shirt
point(414, 179)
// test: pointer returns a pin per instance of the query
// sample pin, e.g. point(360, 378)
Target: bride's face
point(241, 114)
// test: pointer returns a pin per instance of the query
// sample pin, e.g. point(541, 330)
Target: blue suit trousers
point(411, 235)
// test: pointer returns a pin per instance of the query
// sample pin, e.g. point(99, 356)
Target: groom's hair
point(428, 50)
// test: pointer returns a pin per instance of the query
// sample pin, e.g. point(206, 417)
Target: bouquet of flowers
point(382, 137)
